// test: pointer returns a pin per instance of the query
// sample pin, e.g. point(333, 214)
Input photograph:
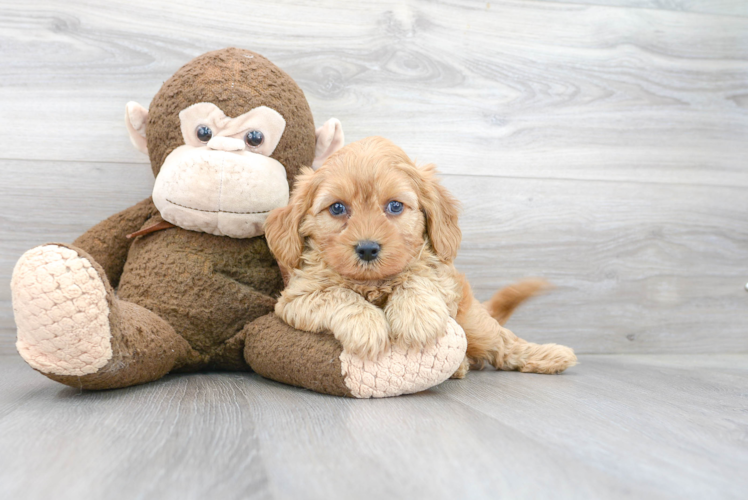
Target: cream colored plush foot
point(399, 371)
point(61, 312)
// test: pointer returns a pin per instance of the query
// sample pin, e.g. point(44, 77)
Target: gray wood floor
point(602, 144)
point(617, 426)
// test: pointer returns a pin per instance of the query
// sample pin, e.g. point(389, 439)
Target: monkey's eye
point(395, 207)
point(337, 209)
point(203, 133)
point(254, 138)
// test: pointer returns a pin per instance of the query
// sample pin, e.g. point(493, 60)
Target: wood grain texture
point(637, 266)
point(522, 88)
point(623, 120)
point(718, 7)
point(614, 427)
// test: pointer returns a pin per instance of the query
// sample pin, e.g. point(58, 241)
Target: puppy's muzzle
point(368, 250)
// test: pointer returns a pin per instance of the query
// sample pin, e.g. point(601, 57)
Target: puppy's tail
point(505, 301)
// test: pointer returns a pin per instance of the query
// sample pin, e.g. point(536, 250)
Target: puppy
point(367, 242)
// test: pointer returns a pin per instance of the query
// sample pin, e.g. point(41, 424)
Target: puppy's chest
point(377, 295)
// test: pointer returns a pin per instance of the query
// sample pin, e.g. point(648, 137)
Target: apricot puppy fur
point(368, 242)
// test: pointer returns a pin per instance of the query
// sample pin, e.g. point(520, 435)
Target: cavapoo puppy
point(367, 242)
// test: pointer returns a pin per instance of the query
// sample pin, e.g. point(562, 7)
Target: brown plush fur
point(158, 348)
point(294, 357)
point(408, 292)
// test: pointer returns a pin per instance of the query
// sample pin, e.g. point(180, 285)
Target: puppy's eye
point(254, 138)
point(337, 209)
point(203, 133)
point(395, 207)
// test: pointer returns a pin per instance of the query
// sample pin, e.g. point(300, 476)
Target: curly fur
point(410, 290)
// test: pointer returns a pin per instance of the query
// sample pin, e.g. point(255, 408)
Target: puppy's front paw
point(363, 331)
point(416, 323)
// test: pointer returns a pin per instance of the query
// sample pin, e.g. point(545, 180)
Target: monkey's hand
point(107, 241)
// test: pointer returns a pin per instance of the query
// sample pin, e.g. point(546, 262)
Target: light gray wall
point(600, 144)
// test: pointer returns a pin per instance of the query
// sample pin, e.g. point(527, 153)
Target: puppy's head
point(369, 209)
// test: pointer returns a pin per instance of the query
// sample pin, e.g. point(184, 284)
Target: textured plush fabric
point(136, 117)
point(206, 287)
point(279, 352)
point(62, 312)
point(225, 193)
point(317, 361)
point(83, 335)
point(145, 348)
point(236, 81)
point(399, 371)
point(104, 241)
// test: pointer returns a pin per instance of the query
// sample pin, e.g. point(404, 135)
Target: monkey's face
point(222, 180)
point(226, 135)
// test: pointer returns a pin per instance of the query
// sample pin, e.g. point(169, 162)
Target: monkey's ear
point(136, 117)
point(329, 139)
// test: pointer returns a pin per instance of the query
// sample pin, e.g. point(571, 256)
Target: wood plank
point(613, 427)
point(645, 417)
point(717, 7)
point(143, 441)
point(532, 89)
point(425, 446)
point(638, 267)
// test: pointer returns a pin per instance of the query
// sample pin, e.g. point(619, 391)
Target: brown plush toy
point(196, 283)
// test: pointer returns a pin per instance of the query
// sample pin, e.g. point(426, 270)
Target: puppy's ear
point(442, 211)
point(283, 224)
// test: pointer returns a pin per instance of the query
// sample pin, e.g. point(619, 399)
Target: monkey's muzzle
point(219, 192)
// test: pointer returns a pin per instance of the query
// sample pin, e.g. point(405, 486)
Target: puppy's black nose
point(367, 250)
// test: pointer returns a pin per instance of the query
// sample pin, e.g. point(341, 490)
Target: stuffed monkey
point(196, 283)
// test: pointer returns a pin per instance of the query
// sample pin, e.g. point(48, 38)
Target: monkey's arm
point(107, 243)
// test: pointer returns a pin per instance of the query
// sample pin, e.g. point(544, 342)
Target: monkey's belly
point(207, 287)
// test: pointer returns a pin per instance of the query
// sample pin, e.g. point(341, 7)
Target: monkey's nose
point(367, 250)
point(226, 144)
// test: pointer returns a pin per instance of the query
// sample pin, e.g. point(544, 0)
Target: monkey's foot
point(406, 371)
point(62, 312)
